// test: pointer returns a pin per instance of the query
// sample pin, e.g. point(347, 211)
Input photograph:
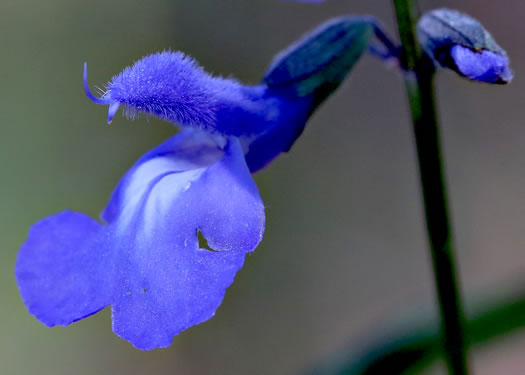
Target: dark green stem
point(419, 76)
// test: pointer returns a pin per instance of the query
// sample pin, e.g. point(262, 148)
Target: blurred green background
point(344, 253)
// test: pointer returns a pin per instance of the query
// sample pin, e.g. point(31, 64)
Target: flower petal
point(167, 283)
point(484, 66)
point(232, 217)
point(64, 270)
point(170, 287)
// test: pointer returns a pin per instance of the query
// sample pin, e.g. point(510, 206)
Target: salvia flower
point(144, 258)
point(457, 41)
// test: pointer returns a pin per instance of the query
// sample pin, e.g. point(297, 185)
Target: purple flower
point(457, 41)
point(144, 258)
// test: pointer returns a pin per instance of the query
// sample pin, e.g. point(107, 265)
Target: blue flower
point(144, 258)
point(457, 41)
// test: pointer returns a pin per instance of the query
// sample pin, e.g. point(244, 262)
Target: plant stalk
point(419, 76)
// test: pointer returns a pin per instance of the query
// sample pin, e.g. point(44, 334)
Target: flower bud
point(457, 41)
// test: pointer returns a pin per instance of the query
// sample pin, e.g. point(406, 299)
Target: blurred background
point(344, 255)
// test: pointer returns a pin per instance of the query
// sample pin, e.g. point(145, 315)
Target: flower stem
point(419, 77)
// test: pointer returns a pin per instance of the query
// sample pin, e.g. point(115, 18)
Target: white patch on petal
point(161, 197)
point(139, 187)
point(155, 183)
